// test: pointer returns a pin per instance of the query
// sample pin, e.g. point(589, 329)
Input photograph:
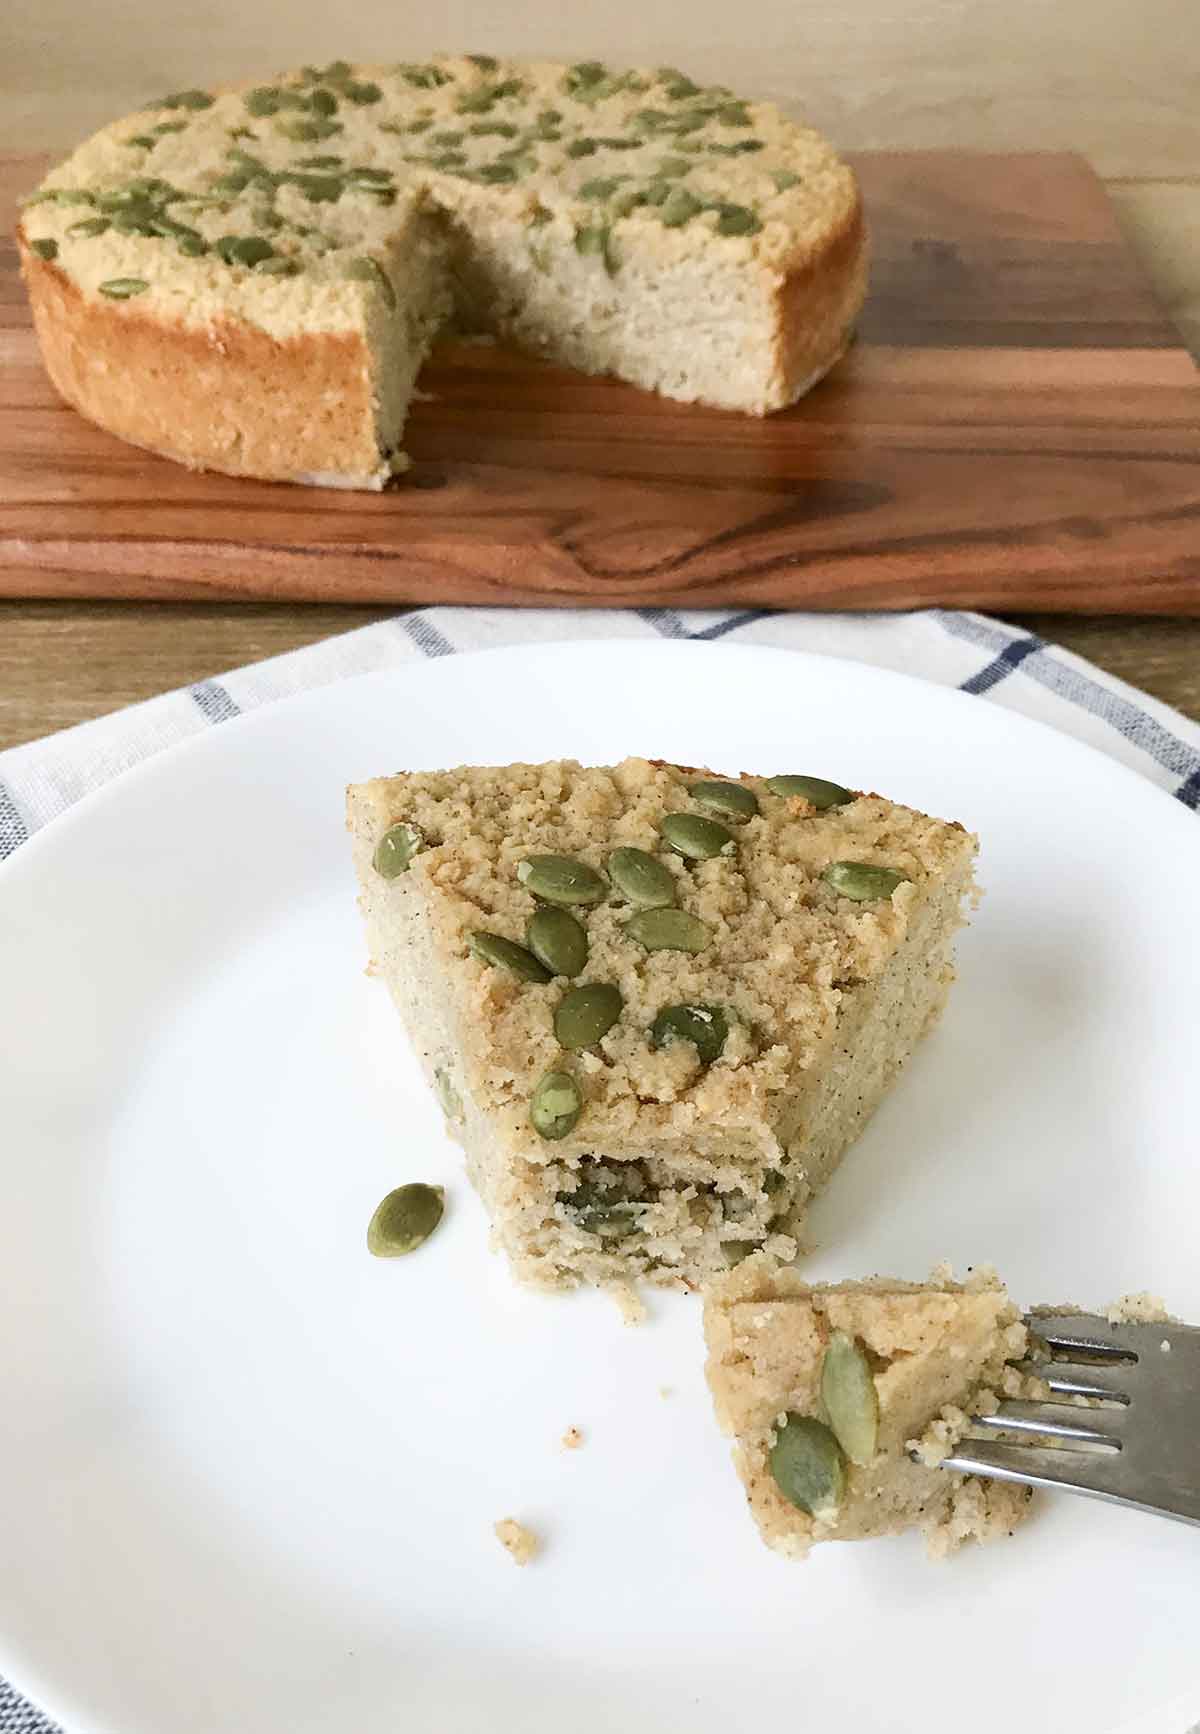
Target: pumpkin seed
point(89, 226)
point(490, 129)
point(362, 95)
point(736, 1250)
point(485, 62)
point(668, 930)
point(501, 953)
point(696, 837)
point(319, 189)
point(861, 881)
point(424, 77)
point(405, 1220)
point(784, 178)
point(585, 1015)
point(323, 102)
point(816, 790)
point(320, 162)
point(561, 879)
point(809, 1469)
point(195, 246)
point(673, 166)
point(595, 241)
point(736, 220)
point(609, 1222)
point(448, 1097)
point(59, 196)
point(166, 126)
point(559, 941)
point(680, 207)
point(705, 1026)
point(244, 249)
point(264, 100)
point(334, 73)
point(850, 1398)
point(448, 161)
point(600, 189)
point(583, 75)
point(44, 249)
point(582, 147)
point(142, 141)
point(642, 878)
point(678, 85)
point(367, 270)
point(123, 288)
point(734, 114)
point(196, 99)
point(627, 200)
point(743, 147)
point(734, 801)
point(307, 130)
point(395, 850)
point(555, 1106)
point(498, 174)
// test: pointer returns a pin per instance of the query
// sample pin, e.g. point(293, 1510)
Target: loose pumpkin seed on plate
point(405, 1220)
point(861, 880)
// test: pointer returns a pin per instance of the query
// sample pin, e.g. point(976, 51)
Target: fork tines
point(1122, 1420)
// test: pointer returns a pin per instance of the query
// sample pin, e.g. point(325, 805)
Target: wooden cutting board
point(1018, 427)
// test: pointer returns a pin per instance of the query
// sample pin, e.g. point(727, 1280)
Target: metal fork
point(1142, 1448)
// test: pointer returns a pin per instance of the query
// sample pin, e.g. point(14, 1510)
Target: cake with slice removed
point(249, 279)
point(657, 1005)
point(843, 1399)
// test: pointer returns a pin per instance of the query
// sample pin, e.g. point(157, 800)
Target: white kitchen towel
point(999, 663)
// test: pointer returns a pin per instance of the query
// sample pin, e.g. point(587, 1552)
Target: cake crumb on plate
point(572, 1439)
point(519, 1542)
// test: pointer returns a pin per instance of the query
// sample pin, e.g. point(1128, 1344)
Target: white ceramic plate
point(248, 1474)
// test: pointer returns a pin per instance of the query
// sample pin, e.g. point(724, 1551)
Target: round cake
point(249, 279)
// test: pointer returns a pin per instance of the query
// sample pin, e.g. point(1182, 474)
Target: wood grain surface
point(1017, 428)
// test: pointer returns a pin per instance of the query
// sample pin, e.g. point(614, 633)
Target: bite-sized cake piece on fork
point(843, 1399)
point(657, 1005)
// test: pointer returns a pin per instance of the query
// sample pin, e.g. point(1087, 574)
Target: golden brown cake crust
point(229, 398)
point(220, 368)
point(819, 303)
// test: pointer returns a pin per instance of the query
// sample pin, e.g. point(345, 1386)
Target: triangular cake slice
point(722, 979)
point(843, 1399)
